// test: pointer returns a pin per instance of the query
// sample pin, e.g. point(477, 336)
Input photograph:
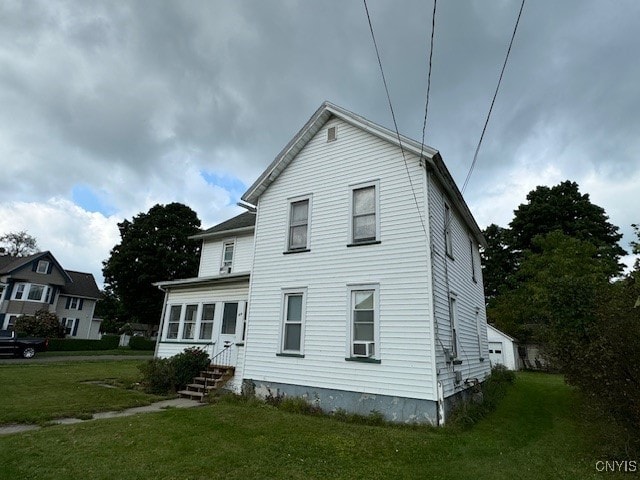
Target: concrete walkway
point(154, 407)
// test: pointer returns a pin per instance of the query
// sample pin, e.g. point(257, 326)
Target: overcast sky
point(107, 108)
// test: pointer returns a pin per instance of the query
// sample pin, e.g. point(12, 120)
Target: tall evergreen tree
point(154, 247)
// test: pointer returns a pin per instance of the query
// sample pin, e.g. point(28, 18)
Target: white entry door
point(231, 326)
point(496, 355)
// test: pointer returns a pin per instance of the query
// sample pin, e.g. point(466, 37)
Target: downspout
point(161, 326)
point(437, 386)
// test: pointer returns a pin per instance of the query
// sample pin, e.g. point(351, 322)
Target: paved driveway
point(76, 358)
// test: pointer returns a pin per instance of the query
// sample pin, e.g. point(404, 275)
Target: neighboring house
point(36, 282)
point(503, 349)
point(362, 277)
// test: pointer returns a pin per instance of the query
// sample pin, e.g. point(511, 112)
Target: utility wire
point(426, 106)
point(393, 116)
point(504, 65)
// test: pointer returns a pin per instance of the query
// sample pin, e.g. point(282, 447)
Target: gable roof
point(500, 332)
point(82, 285)
point(245, 222)
point(327, 110)
point(11, 264)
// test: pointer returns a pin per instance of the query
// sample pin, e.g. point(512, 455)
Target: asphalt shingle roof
point(246, 219)
point(83, 285)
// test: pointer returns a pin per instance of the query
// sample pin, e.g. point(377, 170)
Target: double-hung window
point(19, 293)
point(293, 321)
point(298, 234)
point(448, 241)
point(364, 321)
point(189, 328)
point(365, 221)
point(453, 319)
point(228, 248)
point(70, 326)
point(206, 321)
point(43, 266)
point(174, 321)
point(472, 251)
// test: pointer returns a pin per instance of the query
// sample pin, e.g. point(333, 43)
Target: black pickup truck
point(13, 346)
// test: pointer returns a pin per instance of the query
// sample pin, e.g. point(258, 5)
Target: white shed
point(503, 349)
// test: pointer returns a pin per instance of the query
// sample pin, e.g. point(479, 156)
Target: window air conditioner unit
point(225, 270)
point(364, 349)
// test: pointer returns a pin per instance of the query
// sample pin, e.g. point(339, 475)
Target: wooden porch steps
point(209, 380)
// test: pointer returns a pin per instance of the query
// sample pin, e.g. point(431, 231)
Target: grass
point(38, 392)
point(534, 433)
point(95, 353)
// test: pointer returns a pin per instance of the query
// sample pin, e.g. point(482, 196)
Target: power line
point(504, 65)
point(393, 116)
point(426, 106)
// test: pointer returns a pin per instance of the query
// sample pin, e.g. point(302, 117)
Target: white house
point(503, 349)
point(362, 277)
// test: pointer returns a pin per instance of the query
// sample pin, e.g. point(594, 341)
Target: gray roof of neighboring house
point(244, 222)
point(83, 285)
point(80, 284)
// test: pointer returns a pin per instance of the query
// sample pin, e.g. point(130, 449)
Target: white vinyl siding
point(212, 254)
point(456, 276)
point(398, 264)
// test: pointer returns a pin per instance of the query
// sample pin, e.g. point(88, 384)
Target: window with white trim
point(2, 290)
point(298, 234)
point(11, 322)
point(173, 323)
point(229, 318)
point(293, 321)
point(32, 292)
point(363, 319)
point(448, 241)
point(479, 331)
point(365, 221)
point(228, 248)
point(190, 317)
point(206, 321)
point(74, 303)
point(43, 266)
point(453, 320)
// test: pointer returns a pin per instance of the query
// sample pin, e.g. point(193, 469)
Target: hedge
point(141, 343)
point(108, 342)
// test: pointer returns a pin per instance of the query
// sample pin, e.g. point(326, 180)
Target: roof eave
point(223, 233)
point(188, 282)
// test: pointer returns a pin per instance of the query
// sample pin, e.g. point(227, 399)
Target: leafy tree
point(109, 308)
point(42, 324)
point(498, 260)
point(564, 208)
point(154, 247)
point(18, 244)
point(558, 287)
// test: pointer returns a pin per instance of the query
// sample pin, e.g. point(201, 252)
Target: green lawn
point(34, 392)
point(536, 433)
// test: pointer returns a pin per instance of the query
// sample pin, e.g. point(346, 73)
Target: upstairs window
point(32, 292)
point(43, 267)
point(365, 222)
point(298, 237)
point(448, 242)
point(2, 289)
point(473, 260)
point(227, 256)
